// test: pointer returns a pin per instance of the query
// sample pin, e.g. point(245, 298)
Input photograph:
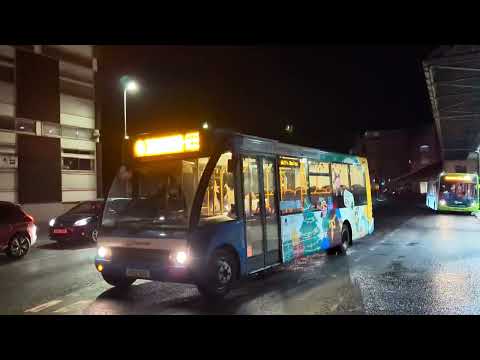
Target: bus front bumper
point(149, 271)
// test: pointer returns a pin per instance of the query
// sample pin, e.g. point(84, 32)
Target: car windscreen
point(86, 208)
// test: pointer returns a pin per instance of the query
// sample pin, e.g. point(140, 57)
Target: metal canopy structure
point(453, 80)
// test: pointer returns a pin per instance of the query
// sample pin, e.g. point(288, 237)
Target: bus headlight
point(181, 257)
point(104, 252)
point(443, 202)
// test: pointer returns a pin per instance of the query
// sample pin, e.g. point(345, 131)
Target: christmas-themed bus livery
point(211, 207)
point(453, 192)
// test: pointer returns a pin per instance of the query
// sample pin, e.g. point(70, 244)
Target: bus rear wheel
point(342, 248)
point(221, 274)
point(119, 282)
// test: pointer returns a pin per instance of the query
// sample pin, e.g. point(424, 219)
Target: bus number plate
point(138, 273)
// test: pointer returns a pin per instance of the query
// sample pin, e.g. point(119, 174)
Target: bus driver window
point(219, 198)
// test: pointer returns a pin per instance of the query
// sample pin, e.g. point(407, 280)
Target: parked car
point(18, 231)
point(77, 224)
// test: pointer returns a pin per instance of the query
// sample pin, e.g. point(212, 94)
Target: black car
point(79, 223)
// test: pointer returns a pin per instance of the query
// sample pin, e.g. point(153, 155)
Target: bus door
point(261, 212)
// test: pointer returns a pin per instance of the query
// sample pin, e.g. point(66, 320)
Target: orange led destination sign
point(465, 178)
point(289, 163)
point(163, 145)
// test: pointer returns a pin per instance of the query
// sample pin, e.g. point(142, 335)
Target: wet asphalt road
point(416, 262)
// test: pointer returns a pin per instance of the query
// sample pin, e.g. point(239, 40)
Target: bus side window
point(340, 182)
point(293, 186)
point(319, 183)
point(359, 189)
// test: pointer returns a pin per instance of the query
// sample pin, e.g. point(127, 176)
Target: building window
point(460, 168)
point(51, 129)
point(219, 198)
point(72, 163)
point(25, 125)
point(293, 185)
point(358, 188)
point(319, 181)
point(77, 133)
point(7, 123)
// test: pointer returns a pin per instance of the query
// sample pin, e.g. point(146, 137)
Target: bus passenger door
point(261, 220)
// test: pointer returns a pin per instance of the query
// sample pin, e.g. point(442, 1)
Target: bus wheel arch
point(349, 228)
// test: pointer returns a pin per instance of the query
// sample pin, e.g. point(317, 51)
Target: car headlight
point(443, 202)
point(51, 222)
point(81, 222)
point(104, 252)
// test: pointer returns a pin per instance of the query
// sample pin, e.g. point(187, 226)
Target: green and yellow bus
point(453, 192)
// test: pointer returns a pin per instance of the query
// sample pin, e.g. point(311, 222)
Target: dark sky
point(329, 93)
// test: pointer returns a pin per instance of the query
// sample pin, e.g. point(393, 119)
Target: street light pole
point(132, 87)
point(125, 113)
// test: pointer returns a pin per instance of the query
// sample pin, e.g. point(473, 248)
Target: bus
point(453, 192)
point(211, 207)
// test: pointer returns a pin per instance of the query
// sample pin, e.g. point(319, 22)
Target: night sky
point(329, 93)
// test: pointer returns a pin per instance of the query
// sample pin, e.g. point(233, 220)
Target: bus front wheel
point(119, 282)
point(221, 274)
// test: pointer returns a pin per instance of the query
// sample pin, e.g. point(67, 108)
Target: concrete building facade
point(50, 149)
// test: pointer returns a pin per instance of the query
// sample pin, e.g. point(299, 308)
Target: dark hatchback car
point(77, 224)
point(17, 230)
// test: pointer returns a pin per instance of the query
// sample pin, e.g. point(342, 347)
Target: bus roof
point(254, 144)
point(270, 146)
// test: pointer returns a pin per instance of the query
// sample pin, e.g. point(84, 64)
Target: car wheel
point(120, 282)
point(18, 246)
point(94, 235)
point(222, 273)
point(342, 248)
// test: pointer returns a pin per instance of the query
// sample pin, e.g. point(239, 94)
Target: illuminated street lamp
point(205, 125)
point(131, 87)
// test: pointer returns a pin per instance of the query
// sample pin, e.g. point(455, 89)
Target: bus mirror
point(230, 167)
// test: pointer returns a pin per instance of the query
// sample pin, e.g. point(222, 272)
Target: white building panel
point(76, 106)
point(7, 51)
point(8, 138)
point(79, 181)
point(7, 93)
point(77, 144)
point(78, 121)
point(7, 109)
point(8, 196)
point(85, 51)
point(73, 196)
point(74, 71)
point(8, 180)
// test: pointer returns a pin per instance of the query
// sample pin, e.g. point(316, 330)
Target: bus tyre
point(342, 248)
point(119, 282)
point(221, 274)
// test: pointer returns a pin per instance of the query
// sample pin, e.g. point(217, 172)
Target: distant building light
point(289, 128)
point(409, 161)
point(425, 148)
point(205, 125)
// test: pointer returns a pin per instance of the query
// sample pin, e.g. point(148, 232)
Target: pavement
point(416, 262)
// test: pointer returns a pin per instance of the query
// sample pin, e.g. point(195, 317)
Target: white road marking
point(72, 307)
point(43, 306)
point(372, 248)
